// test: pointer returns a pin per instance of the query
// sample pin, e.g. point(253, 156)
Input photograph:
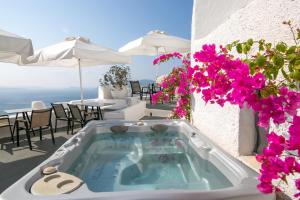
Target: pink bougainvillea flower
point(265, 187)
point(220, 78)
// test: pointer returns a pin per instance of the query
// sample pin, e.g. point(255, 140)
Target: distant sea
point(13, 98)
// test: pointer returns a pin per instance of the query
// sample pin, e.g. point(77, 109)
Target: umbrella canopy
point(70, 51)
point(154, 43)
point(14, 48)
point(77, 52)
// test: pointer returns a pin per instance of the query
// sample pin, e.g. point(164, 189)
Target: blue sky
point(111, 23)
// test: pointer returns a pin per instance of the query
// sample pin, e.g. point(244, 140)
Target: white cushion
point(38, 105)
point(133, 100)
point(117, 103)
point(133, 112)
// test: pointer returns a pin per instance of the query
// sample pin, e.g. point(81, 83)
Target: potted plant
point(116, 79)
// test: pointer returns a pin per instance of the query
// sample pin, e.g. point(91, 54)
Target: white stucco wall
point(212, 13)
point(230, 127)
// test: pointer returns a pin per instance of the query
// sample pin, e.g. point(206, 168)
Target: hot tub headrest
point(56, 183)
point(119, 129)
point(159, 128)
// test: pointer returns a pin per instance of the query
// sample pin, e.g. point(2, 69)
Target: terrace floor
point(15, 161)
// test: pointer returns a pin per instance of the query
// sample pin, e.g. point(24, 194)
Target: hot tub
point(142, 164)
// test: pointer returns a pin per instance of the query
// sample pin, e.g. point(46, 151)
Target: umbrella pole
point(80, 79)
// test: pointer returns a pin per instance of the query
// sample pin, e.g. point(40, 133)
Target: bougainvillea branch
point(166, 57)
point(176, 84)
point(222, 78)
point(252, 81)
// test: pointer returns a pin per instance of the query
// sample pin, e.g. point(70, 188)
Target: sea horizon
point(18, 97)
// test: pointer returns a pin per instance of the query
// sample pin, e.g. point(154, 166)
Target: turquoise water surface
point(144, 161)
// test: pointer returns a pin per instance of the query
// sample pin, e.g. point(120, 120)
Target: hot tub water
point(144, 161)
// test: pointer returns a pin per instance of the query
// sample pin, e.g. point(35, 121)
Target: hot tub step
point(56, 183)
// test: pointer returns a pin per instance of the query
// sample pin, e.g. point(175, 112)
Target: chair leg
point(28, 139)
point(52, 135)
point(33, 132)
point(100, 113)
point(18, 134)
point(55, 126)
point(68, 128)
point(12, 135)
point(72, 127)
point(40, 133)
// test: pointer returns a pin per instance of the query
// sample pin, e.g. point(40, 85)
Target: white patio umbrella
point(77, 52)
point(14, 48)
point(154, 43)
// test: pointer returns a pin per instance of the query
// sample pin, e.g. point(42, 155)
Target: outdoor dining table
point(23, 111)
point(94, 104)
point(17, 112)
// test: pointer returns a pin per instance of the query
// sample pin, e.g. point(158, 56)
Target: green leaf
point(291, 56)
point(292, 86)
point(295, 75)
point(260, 60)
point(285, 74)
point(297, 62)
point(292, 49)
point(239, 48)
point(291, 67)
point(229, 47)
point(268, 46)
point(235, 42)
point(261, 41)
point(275, 73)
point(246, 48)
point(281, 47)
point(252, 66)
point(278, 60)
point(264, 93)
point(250, 42)
point(261, 47)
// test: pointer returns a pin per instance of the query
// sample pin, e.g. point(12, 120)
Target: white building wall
point(230, 127)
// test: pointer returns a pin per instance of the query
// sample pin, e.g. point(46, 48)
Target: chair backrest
point(4, 120)
point(38, 105)
point(155, 88)
point(40, 118)
point(75, 112)
point(59, 110)
point(135, 87)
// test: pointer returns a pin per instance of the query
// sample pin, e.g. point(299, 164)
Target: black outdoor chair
point(80, 116)
point(40, 120)
point(5, 122)
point(61, 115)
point(153, 88)
point(137, 89)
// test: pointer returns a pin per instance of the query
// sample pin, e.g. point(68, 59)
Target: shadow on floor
point(152, 118)
point(15, 161)
point(160, 106)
